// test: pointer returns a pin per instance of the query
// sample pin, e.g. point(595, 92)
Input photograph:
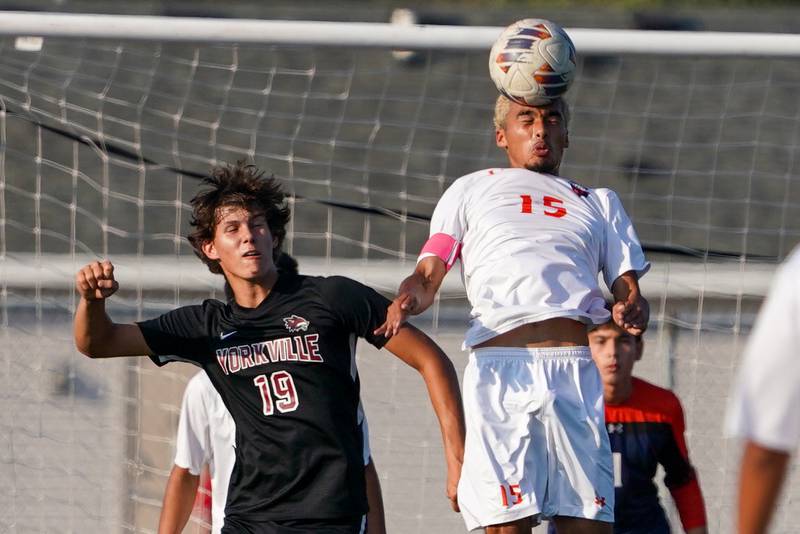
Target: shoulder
point(658, 398)
point(206, 308)
point(483, 177)
point(330, 283)
point(784, 294)
point(606, 196)
point(198, 382)
point(338, 287)
point(197, 391)
point(791, 266)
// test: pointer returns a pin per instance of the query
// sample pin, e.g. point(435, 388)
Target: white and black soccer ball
point(532, 62)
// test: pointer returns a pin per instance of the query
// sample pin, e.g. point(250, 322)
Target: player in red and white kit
point(531, 246)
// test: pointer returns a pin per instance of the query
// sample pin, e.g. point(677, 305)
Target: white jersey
point(206, 435)
point(532, 246)
point(767, 394)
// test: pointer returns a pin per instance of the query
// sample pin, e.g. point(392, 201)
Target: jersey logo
point(295, 323)
point(579, 190)
point(226, 335)
point(599, 501)
point(614, 428)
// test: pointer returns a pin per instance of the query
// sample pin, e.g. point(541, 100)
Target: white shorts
point(536, 439)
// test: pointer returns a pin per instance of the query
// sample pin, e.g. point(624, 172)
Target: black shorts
point(296, 526)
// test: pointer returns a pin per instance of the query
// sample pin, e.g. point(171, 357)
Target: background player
point(764, 404)
point(282, 358)
point(645, 427)
point(531, 245)
point(206, 439)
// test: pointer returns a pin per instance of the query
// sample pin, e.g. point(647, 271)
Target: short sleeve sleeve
point(767, 393)
point(178, 335)
point(448, 216)
point(360, 308)
point(622, 251)
point(192, 444)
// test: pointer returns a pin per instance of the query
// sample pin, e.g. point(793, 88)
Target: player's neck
point(552, 172)
point(617, 393)
point(251, 293)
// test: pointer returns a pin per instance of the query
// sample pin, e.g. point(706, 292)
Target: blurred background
point(102, 144)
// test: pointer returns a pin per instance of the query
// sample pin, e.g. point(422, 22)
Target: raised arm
point(631, 311)
point(96, 335)
point(421, 353)
point(415, 295)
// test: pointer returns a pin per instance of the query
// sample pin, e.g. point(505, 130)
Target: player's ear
point(500, 138)
point(566, 139)
point(210, 250)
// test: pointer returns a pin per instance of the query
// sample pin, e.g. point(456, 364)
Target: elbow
point(89, 348)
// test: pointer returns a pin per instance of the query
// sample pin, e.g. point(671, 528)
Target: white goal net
point(104, 136)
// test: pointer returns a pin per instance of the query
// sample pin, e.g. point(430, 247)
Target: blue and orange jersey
point(647, 430)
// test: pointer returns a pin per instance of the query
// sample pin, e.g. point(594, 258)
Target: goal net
point(104, 135)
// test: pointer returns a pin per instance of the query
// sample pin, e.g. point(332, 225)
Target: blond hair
point(502, 105)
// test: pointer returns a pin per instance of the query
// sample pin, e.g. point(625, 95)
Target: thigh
point(504, 476)
point(581, 474)
point(520, 526)
point(576, 525)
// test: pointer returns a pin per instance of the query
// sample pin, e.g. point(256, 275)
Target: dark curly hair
point(240, 185)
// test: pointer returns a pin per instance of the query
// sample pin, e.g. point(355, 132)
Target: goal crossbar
point(57, 271)
point(384, 35)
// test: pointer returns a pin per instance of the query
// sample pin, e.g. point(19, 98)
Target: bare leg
point(579, 525)
point(520, 526)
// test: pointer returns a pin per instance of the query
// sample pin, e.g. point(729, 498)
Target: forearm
point(760, 481)
point(690, 504)
point(442, 384)
point(92, 326)
point(178, 501)
point(626, 287)
point(421, 288)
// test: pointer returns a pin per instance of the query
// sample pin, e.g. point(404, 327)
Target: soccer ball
point(532, 62)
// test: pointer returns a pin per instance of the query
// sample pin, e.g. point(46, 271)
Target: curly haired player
point(281, 355)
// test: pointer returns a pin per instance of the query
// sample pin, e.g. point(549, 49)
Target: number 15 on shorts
point(510, 494)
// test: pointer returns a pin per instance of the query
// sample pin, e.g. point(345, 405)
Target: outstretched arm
point(415, 295)
point(421, 353)
point(96, 335)
point(631, 311)
point(179, 500)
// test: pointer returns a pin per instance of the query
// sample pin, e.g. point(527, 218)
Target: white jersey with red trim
point(206, 435)
point(764, 400)
point(531, 247)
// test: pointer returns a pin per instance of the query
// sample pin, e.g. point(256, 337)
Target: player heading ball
point(531, 245)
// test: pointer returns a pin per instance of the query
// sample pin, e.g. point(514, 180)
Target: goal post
point(107, 124)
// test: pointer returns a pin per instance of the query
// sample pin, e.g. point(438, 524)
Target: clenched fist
point(95, 281)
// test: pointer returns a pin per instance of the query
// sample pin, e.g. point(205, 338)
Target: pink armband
point(444, 247)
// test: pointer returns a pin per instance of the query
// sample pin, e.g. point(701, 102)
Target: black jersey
point(286, 372)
